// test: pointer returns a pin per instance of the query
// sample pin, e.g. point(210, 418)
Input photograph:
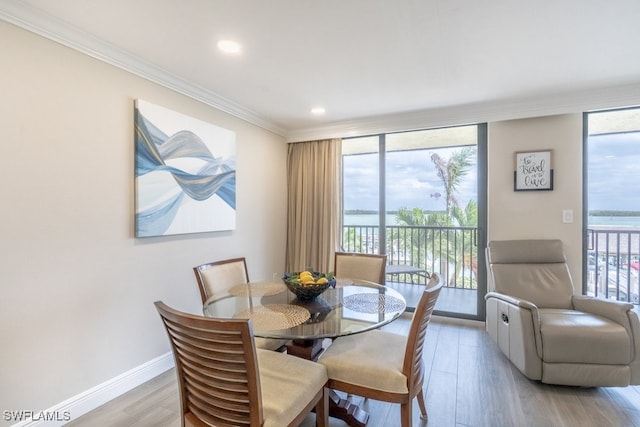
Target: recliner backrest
point(533, 270)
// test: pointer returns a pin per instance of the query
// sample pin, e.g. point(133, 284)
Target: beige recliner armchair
point(549, 333)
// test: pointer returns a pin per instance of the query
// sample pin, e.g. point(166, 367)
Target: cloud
point(614, 172)
point(613, 177)
point(411, 180)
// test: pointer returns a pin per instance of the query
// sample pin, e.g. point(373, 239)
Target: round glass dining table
point(351, 307)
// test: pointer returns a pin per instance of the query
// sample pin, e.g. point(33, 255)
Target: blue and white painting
point(185, 173)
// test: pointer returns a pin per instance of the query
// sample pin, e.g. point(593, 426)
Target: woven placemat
point(275, 316)
point(373, 303)
point(259, 289)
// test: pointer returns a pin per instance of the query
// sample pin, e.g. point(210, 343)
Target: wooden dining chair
point(224, 380)
point(370, 267)
point(382, 365)
point(217, 277)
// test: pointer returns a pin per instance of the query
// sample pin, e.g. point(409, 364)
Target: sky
point(412, 181)
point(614, 172)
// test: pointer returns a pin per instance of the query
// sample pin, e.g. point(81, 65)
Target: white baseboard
point(89, 400)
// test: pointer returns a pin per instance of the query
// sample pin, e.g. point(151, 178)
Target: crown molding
point(45, 25)
point(547, 105)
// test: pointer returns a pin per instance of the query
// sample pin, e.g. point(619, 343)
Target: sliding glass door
point(419, 197)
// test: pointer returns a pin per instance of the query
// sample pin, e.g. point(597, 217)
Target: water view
point(615, 221)
point(609, 221)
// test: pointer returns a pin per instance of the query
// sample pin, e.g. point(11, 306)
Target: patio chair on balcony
point(409, 270)
point(546, 331)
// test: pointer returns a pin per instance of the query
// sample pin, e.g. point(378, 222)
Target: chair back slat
point(370, 267)
point(217, 368)
point(413, 367)
point(219, 276)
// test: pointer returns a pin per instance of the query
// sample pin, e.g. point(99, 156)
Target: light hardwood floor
point(468, 383)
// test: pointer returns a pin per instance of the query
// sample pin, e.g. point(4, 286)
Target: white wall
point(76, 287)
point(538, 214)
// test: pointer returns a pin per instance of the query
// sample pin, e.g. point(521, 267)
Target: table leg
point(339, 408)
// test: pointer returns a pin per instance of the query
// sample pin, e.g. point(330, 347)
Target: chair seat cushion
point(288, 384)
point(357, 359)
point(269, 343)
point(576, 337)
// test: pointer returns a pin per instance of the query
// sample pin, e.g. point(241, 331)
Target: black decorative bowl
point(308, 289)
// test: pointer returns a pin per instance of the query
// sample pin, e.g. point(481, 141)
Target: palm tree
point(451, 172)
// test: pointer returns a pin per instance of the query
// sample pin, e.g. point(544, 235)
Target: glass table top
point(351, 307)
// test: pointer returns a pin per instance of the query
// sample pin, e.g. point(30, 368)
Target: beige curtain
point(314, 220)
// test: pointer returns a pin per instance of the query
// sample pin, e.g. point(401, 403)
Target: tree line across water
point(613, 213)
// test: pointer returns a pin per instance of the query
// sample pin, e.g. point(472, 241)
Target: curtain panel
point(314, 220)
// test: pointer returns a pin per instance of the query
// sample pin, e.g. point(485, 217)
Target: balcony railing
point(450, 251)
point(612, 263)
point(613, 255)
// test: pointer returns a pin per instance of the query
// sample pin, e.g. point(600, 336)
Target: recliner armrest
point(621, 313)
point(613, 310)
point(514, 324)
point(522, 303)
point(511, 300)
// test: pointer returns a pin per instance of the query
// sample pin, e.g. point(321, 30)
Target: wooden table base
point(305, 349)
point(339, 408)
point(347, 411)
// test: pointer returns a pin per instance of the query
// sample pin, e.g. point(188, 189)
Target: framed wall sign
point(533, 171)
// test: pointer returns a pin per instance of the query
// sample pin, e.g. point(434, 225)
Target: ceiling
point(371, 63)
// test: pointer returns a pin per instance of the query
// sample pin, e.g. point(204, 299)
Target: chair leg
point(405, 414)
point(423, 407)
point(322, 410)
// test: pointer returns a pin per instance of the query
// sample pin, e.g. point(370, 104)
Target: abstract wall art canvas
point(185, 173)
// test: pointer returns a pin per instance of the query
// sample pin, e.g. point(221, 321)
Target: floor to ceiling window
point(612, 204)
point(419, 198)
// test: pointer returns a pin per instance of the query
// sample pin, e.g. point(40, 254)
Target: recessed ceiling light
point(230, 47)
point(318, 111)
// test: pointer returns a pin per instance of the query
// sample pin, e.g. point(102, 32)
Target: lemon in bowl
point(308, 285)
